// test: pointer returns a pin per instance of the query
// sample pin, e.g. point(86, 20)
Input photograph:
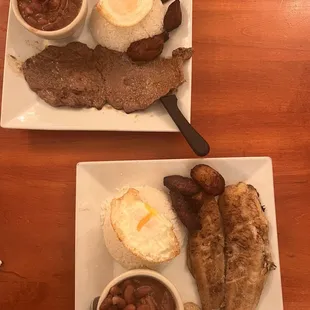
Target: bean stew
point(49, 15)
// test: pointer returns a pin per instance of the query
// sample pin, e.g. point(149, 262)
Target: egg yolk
point(145, 219)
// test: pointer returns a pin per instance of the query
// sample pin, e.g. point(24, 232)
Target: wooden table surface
point(251, 91)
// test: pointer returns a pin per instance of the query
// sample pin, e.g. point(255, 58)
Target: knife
point(198, 144)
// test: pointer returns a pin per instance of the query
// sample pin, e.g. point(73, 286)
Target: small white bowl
point(147, 273)
point(56, 34)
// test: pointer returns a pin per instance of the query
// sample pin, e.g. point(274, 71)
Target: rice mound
point(154, 197)
point(119, 38)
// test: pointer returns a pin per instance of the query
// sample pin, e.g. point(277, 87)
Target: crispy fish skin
point(247, 253)
point(206, 256)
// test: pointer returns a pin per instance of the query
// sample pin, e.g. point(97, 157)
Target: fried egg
point(144, 231)
point(124, 13)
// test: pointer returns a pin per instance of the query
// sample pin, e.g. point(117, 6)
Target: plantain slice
point(209, 179)
point(186, 186)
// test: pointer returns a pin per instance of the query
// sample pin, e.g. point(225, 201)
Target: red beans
point(115, 290)
point(142, 291)
point(143, 307)
point(129, 294)
point(138, 293)
point(54, 4)
point(28, 11)
point(106, 304)
point(119, 302)
point(36, 7)
point(49, 15)
point(42, 21)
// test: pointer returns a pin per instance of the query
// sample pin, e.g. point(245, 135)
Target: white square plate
point(22, 108)
point(98, 181)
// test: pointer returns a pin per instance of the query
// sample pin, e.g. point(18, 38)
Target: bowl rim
point(54, 33)
point(148, 273)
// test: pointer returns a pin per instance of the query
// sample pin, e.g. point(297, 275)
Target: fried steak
point(79, 77)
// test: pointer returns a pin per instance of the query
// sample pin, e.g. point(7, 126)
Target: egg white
point(142, 229)
point(124, 13)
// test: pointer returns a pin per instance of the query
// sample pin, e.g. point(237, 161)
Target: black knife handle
point(199, 145)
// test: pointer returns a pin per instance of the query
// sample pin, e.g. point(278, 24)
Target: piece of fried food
point(206, 256)
point(247, 253)
point(196, 201)
point(191, 306)
point(183, 211)
point(186, 186)
point(209, 179)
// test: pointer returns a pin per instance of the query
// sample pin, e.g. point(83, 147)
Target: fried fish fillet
point(206, 256)
point(247, 252)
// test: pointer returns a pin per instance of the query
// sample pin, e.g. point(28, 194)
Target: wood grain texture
point(251, 91)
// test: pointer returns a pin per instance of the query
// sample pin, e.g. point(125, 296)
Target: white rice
point(119, 38)
point(158, 200)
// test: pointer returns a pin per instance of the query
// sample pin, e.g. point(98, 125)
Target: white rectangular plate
point(98, 181)
point(22, 108)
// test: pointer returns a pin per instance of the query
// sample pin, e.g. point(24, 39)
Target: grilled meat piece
point(247, 253)
point(206, 256)
point(77, 76)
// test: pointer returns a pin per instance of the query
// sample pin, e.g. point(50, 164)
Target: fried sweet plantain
point(186, 186)
point(209, 179)
point(183, 211)
point(196, 201)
